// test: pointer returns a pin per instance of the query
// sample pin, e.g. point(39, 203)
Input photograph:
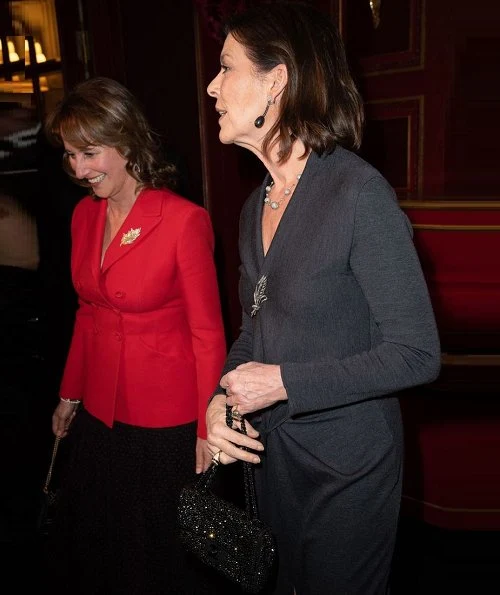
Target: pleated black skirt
point(116, 530)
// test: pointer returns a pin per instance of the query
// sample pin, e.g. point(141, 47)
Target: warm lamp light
point(40, 56)
point(13, 55)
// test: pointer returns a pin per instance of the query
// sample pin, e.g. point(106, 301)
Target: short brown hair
point(101, 111)
point(320, 104)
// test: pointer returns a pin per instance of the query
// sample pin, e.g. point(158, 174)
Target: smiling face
point(241, 96)
point(103, 168)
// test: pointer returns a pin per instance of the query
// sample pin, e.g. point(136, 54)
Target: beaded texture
point(224, 537)
point(275, 204)
point(232, 540)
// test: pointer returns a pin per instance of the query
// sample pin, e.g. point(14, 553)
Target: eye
point(224, 68)
point(89, 154)
point(69, 155)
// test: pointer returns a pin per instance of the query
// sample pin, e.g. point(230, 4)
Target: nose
point(213, 87)
point(79, 167)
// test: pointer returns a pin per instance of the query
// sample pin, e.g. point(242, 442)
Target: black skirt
point(116, 530)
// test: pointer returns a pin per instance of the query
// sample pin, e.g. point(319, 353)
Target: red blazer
point(148, 343)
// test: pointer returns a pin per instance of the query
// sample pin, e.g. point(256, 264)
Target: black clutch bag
point(49, 498)
point(230, 539)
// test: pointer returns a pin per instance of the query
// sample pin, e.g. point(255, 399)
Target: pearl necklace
point(275, 204)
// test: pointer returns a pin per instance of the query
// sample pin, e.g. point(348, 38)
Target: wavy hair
point(102, 112)
point(320, 104)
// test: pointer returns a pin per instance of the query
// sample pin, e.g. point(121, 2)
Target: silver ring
point(216, 457)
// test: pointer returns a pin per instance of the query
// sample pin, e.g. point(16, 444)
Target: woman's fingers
point(252, 432)
point(230, 453)
point(62, 418)
point(233, 444)
point(253, 386)
point(203, 455)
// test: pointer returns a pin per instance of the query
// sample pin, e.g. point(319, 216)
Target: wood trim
point(408, 60)
point(452, 508)
point(452, 359)
point(202, 115)
point(441, 227)
point(414, 111)
point(450, 205)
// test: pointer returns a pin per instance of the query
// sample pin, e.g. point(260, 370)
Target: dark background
point(429, 74)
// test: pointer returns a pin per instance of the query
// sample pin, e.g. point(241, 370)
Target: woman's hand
point(226, 441)
point(254, 386)
point(203, 455)
point(62, 418)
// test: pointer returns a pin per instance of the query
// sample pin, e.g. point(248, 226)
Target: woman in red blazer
point(147, 351)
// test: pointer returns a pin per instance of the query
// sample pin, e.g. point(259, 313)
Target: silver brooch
point(130, 236)
point(259, 295)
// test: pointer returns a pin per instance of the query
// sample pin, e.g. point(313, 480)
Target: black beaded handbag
point(230, 539)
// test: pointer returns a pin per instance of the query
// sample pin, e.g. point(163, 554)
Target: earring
point(136, 169)
point(259, 122)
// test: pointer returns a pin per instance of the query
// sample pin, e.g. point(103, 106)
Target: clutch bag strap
point(248, 478)
point(250, 496)
point(51, 467)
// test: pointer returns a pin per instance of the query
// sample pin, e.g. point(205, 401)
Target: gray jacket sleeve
point(405, 348)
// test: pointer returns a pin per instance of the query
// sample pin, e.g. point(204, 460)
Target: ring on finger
point(216, 457)
point(235, 414)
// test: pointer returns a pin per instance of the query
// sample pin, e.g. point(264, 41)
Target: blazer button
point(118, 336)
point(119, 294)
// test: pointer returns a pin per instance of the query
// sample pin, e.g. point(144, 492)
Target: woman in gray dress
point(336, 314)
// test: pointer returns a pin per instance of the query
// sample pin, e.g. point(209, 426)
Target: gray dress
point(346, 313)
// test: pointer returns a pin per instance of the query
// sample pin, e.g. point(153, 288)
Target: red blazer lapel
point(142, 219)
point(97, 229)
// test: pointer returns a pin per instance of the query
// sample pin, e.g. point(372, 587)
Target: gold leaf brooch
point(130, 236)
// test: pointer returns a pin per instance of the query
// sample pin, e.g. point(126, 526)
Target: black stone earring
point(259, 122)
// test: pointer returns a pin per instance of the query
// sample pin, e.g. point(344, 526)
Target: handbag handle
point(250, 496)
point(51, 467)
point(206, 478)
point(248, 478)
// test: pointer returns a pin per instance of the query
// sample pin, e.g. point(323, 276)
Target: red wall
point(429, 77)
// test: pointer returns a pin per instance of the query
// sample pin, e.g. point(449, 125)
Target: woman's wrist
point(71, 401)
